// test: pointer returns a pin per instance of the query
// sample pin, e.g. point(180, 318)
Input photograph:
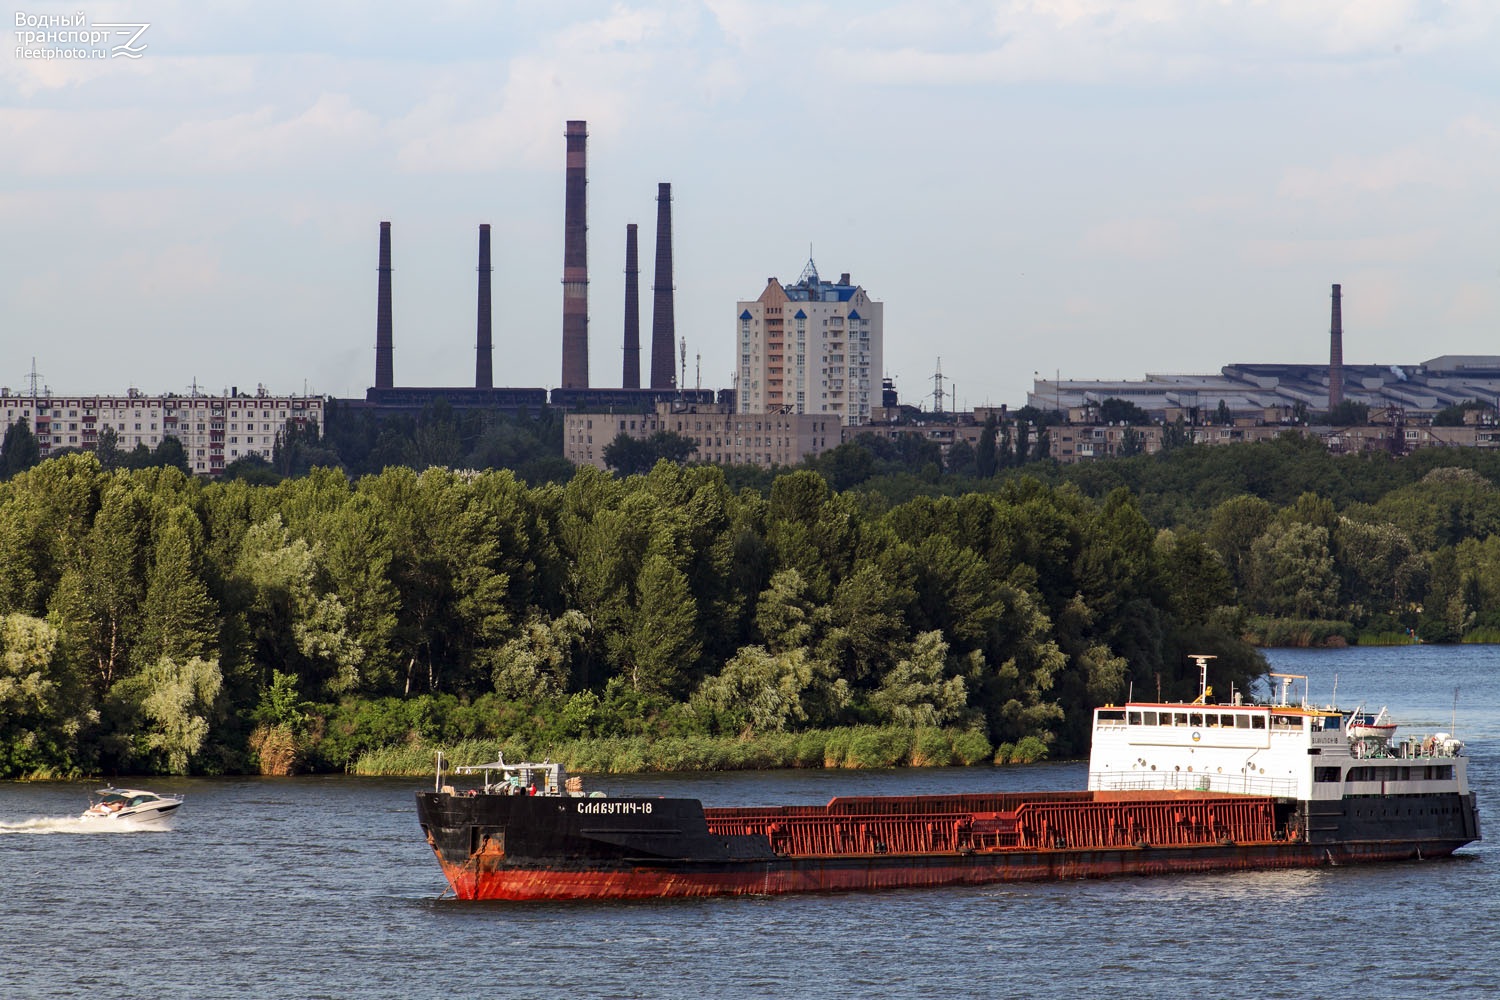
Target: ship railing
point(1183, 781)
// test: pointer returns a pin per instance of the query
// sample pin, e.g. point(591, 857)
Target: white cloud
point(1387, 248)
point(1132, 239)
point(260, 140)
point(1148, 40)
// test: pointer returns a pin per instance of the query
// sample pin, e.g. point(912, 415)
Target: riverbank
point(853, 747)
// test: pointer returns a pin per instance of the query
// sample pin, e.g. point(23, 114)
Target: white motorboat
point(133, 806)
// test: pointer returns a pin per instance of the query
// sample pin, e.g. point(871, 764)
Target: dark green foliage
point(631, 456)
point(986, 457)
point(20, 450)
point(1122, 411)
point(1349, 413)
point(1455, 416)
point(193, 626)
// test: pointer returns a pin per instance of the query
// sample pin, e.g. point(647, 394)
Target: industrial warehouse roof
point(1425, 387)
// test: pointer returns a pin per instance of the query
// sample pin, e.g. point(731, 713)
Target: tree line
point(151, 622)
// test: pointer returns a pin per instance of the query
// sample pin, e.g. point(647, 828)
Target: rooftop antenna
point(810, 272)
point(682, 353)
point(698, 368)
point(937, 388)
point(33, 378)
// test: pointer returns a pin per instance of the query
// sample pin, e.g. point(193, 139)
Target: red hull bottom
point(845, 874)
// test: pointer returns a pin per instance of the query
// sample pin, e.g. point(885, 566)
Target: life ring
point(1197, 736)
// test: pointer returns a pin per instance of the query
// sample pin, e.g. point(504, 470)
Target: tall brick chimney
point(484, 361)
point(575, 344)
point(384, 349)
point(663, 325)
point(632, 375)
point(1336, 353)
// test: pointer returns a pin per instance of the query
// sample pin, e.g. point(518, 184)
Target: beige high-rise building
point(814, 348)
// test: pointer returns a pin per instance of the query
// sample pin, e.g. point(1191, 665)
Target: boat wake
point(72, 824)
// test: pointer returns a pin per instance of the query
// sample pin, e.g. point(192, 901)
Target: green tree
point(1122, 411)
point(761, 691)
point(863, 624)
point(918, 690)
point(1176, 434)
point(177, 700)
point(540, 662)
point(784, 614)
point(1349, 413)
point(1233, 527)
point(663, 644)
point(107, 450)
point(1292, 572)
point(19, 451)
point(172, 454)
point(632, 456)
point(41, 711)
point(1458, 414)
point(178, 617)
point(1197, 581)
point(986, 462)
point(97, 606)
point(1444, 615)
point(1379, 570)
point(961, 460)
point(292, 621)
point(847, 465)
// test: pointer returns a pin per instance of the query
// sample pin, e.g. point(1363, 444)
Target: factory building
point(721, 436)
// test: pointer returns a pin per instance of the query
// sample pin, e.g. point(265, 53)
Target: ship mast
point(1204, 691)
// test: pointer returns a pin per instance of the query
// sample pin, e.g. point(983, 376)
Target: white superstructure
point(1283, 749)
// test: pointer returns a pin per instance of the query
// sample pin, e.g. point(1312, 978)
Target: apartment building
point(214, 430)
point(814, 347)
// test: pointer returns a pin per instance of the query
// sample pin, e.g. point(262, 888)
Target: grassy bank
point(851, 747)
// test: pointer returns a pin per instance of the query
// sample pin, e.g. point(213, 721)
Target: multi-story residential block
point(214, 430)
point(810, 348)
point(722, 436)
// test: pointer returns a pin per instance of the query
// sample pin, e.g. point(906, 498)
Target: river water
point(323, 887)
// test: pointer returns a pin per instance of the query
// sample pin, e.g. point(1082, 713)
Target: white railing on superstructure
point(1182, 781)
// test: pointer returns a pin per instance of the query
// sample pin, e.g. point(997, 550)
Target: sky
point(1038, 188)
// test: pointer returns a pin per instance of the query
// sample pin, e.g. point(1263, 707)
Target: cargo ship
point(1172, 787)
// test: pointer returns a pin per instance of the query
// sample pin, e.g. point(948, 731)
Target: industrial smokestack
point(632, 376)
point(575, 359)
point(384, 378)
point(1336, 353)
point(663, 325)
point(484, 362)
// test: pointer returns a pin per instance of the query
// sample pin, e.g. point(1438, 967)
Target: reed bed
point(847, 747)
